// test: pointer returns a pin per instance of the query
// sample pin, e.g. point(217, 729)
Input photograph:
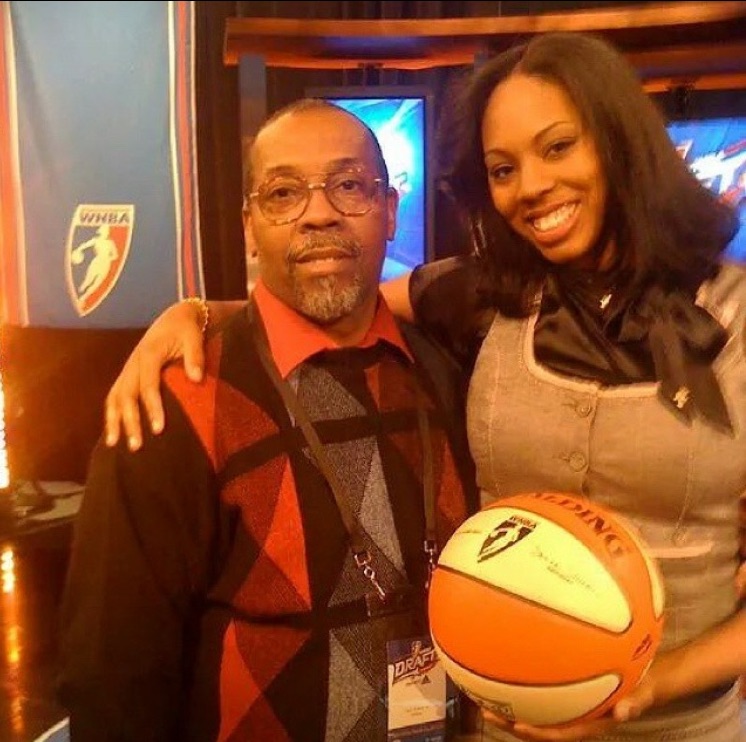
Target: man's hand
point(175, 334)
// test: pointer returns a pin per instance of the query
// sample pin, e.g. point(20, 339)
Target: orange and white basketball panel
point(656, 579)
point(495, 633)
point(539, 705)
point(543, 563)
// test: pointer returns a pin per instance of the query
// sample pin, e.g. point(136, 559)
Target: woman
point(606, 338)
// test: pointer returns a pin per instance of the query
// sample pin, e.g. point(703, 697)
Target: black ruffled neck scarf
point(683, 338)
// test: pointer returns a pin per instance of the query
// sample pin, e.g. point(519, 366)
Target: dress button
point(584, 408)
point(577, 461)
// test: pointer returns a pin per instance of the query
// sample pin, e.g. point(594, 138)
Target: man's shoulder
point(436, 363)
point(418, 341)
point(423, 346)
point(230, 344)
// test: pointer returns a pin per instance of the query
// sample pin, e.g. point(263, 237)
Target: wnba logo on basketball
point(503, 536)
point(98, 243)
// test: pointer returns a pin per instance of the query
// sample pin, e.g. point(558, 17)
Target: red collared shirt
point(294, 339)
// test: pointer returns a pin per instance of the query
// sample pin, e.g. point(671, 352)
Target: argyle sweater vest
point(281, 649)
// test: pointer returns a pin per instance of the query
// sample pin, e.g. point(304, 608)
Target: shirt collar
point(294, 339)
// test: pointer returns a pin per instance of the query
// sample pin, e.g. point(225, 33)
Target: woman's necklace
point(594, 289)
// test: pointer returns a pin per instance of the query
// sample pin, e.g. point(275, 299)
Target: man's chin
point(324, 314)
point(328, 305)
point(324, 321)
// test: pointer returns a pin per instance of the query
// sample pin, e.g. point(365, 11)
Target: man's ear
point(248, 234)
point(392, 206)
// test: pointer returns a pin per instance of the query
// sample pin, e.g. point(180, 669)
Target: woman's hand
point(176, 333)
point(741, 577)
point(573, 733)
point(715, 658)
point(630, 707)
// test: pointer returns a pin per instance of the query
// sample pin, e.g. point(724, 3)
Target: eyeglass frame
point(321, 185)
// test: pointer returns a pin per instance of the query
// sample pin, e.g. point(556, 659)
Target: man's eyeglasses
point(284, 198)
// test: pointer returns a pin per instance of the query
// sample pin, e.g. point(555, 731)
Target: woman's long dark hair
point(665, 223)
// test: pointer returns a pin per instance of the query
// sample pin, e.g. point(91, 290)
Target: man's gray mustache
point(341, 246)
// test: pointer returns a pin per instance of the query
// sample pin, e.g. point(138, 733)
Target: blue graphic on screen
point(399, 124)
point(715, 150)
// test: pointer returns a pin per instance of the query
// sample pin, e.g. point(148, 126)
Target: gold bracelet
point(203, 308)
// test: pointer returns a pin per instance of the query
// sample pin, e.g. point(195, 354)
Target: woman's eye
point(500, 172)
point(560, 146)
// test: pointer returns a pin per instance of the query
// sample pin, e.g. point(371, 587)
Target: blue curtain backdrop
point(99, 210)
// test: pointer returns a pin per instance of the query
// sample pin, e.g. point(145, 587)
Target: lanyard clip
point(362, 561)
point(431, 549)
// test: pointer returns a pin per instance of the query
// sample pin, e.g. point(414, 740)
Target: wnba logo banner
point(97, 247)
point(97, 126)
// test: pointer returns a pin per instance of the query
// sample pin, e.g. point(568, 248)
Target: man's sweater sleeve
point(142, 553)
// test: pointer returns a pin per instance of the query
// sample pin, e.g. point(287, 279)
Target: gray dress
point(533, 429)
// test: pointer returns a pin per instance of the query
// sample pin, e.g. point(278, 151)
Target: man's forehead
point(317, 166)
point(313, 141)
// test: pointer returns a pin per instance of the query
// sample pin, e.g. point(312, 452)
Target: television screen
point(399, 117)
point(715, 150)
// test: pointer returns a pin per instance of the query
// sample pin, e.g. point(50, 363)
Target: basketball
point(546, 608)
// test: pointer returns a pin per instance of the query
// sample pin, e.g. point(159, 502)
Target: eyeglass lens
point(286, 197)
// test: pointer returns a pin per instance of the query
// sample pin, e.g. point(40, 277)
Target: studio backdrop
point(98, 169)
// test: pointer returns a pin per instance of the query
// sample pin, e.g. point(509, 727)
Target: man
point(237, 579)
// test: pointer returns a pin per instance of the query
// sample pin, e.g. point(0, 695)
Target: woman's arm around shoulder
point(176, 333)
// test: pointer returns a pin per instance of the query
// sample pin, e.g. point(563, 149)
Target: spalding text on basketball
point(614, 545)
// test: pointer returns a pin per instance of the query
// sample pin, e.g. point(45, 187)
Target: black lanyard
point(360, 553)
